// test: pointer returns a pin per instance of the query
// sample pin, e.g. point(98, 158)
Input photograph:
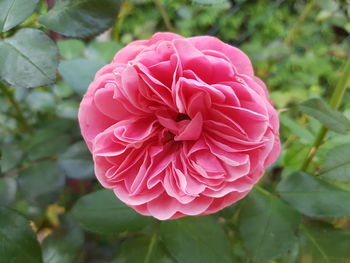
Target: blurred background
point(297, 48)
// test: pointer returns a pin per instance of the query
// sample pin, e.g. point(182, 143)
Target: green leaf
point(314, 197)
point(209, 2)
point(41, 101)
point(8, 189)
point(322, 243)
point(13, 12)
point(71, 48)
point(135, 250)
point(77, 162)
point(11, 156)
point(18, 242)
point(63, 245)
point(196, 239)
point(62, 90)
point(48, 141)
point(301, 132)
point(42, 183)
point(331, 119)
point(68, 109)
point(102, 212)
point(81, 18)
point(28, 59)
point(79, 73)
point(267, 226)
point(337, 164)
point(103, 51)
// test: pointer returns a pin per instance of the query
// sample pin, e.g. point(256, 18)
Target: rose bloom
point(179, 126)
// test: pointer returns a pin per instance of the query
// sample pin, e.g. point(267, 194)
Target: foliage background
point(52, 210)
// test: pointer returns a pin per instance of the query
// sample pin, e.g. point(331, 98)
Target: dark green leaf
point(103, 212)
point(134, 250)
point(28, 59)
point(8, 189)
point(77, 162)
point(11, 156)
point(267, 226)
point(42, 183)
point(18, 243)
point(332, 119)
point(196, 239)
point(322, 243)
point(63, 245)
point(13, 12)
point(337, 164)
point(81, 18)
point(78, 73)
point(48, 142)
point(71, 48)
point(314, 197)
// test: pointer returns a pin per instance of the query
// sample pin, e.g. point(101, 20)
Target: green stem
point(151, 247)
point(30, 22)
point(164, 14)
point(262, 190)
point(125, 10)
point(19, 115)
point(293, 32)
point(340, 89)
point(316, 145)
point(335, 102)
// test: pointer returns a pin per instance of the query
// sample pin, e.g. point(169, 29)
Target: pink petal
point(236, 56)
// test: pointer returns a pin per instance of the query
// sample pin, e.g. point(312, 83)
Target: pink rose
point(179, 126)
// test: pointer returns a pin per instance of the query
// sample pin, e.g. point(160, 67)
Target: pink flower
point(179, 126)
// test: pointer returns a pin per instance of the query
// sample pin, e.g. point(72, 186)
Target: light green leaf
point(321, 243)
point(337, 164)
point(102, 212)
point(41, 101)
point(77, 162)
point(267, 226)
point(42, 183)
point(13, 12)
point(68, 109)
point(301, 132)
point(196, 239)
point(314, 197)
point(18, 242)
point(71, 48)
point(103, 51)
point(62, 89)
point(79, 73)
point(28, 59)
point(63, 245)
point(209, 2)
point(8, 189)
point(81, 18)
point(332, 119)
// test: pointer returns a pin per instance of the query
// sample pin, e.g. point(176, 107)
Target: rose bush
point(179, 126)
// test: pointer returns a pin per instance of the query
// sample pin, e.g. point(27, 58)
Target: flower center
point(181, 117)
